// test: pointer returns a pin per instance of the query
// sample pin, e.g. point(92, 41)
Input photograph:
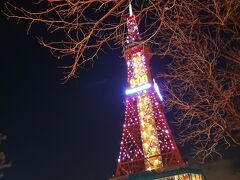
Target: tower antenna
point(130, 9)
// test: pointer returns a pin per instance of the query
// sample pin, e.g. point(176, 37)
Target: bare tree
point(203, 80)
point(202, 37)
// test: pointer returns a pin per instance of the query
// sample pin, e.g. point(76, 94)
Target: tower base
point(175, 174)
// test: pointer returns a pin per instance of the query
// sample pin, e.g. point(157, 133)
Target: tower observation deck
point(147, 144)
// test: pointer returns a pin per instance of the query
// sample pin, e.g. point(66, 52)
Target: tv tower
point(147, 143)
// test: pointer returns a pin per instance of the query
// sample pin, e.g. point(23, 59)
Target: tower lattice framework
point(147, 142)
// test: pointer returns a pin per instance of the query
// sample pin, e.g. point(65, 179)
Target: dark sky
point(58, 131)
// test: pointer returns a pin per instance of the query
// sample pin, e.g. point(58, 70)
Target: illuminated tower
point(147, 142)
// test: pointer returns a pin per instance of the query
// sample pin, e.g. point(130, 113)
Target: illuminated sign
point(138, 81)
point(137, 89)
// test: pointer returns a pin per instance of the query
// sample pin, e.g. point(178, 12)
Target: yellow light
point(148, 116)
point(132, 83)
point(149, 169)
point(136, 71)
point(152, 137)
point(144, 133)
point(151, 147)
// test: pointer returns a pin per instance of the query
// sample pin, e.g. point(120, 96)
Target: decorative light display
point(147, 142)
point(150, 143)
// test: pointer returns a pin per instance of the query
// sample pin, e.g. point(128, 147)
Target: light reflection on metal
point(157, 90)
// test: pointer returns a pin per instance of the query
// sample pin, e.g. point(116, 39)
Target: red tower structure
point(147, 142)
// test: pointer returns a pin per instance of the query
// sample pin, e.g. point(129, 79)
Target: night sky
point(58, 131)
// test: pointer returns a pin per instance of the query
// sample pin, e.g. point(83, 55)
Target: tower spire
point(133, 33)
point(130, 9)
